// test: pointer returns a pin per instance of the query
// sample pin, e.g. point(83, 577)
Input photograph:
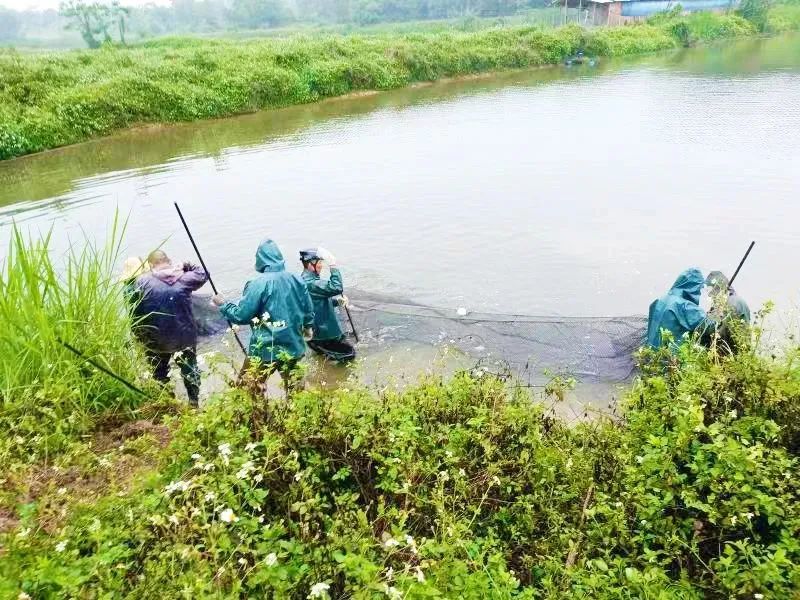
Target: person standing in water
point(326, 294)
point(679, 311)
point(729, 310)
point(276, 305)
point(164, 320)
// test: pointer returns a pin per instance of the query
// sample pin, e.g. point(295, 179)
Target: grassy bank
point(467, 488)
point(50, 100)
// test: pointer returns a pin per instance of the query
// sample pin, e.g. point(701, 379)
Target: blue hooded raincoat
point(679, 311)
point(280, 303)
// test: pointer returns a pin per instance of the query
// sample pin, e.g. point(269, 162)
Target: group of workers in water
point(288, 313)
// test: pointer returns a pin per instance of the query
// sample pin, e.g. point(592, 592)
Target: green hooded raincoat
point(323, 292)
point(679, 311)
point(276, 305)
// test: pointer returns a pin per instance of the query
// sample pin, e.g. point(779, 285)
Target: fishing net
point(591, 349)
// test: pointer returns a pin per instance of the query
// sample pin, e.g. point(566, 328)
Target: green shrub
point(458, 489)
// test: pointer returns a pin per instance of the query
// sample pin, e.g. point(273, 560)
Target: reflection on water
point(556, 191)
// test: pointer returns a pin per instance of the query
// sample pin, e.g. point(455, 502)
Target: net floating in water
point(594, 349)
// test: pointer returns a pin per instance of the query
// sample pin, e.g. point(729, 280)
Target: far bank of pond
point(52, 100)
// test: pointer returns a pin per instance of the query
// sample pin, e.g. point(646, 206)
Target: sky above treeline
point(47, 4)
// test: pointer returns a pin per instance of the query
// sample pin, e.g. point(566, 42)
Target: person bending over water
point(679, 311)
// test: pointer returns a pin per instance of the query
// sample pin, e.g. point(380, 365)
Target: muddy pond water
point(560, 192)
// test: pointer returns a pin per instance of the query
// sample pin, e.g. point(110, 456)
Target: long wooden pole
point(202, 262)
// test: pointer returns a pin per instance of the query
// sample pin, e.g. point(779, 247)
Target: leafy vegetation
point(460, 488)
point(50, 100)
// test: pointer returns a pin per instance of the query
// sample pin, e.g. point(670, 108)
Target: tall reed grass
point(48, 395)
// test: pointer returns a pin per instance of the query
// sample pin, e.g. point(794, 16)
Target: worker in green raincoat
point(730, 311)
point(326, 294)
point(278, 309)
point(679, 311)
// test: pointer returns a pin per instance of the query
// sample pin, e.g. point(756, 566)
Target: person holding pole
point(730, 310)
point(276, 305)
point(164, 320)
point(326, 294)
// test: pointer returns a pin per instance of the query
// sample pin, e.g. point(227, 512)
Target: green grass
point(50, 396)
point(54, 99)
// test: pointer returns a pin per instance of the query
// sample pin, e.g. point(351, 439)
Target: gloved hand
point(327, 256)
point(343, 301)
point(187, 266)
point(217, 300)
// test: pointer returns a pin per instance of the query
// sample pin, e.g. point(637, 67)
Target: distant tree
point(260, 13)
point(119, 15)
point(95, 21)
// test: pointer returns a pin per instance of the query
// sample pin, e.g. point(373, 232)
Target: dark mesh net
point(591, 349)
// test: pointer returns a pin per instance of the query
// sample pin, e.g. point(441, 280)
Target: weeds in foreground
point(48, 395)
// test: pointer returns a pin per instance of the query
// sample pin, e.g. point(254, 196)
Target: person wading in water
point(328, 340)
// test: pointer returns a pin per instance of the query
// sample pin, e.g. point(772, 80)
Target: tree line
point(103, 21)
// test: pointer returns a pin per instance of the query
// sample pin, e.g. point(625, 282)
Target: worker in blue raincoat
point(326, 294)
point(679, 311)
point(278, 309)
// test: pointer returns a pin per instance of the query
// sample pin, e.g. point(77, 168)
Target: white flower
point(392, 592)
point(319, 590)
point(391, 543)
point(495, 480)
point(758, 596)
point(173, 519)
point(61, 546)
point(448, 454)
point(250, 447)
point(733, 414)
point(298, 476)
point(242, 561)
point(271, 560)
point(208, 467)
point(176, 486)
point(255, 320)
point(749, 516)
point(462, 472)
point(23, 596)
point(265, 316)
point(224, 452)
point(420, 575)
point(443, 475)
point(568, 465)
point(228, 516)
point(23, 533)
point(245, 470)
point(261, 518)
point(410, 541)
point(733, 520)
point(196, 457)
point(104, 462)
point(258, 477)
